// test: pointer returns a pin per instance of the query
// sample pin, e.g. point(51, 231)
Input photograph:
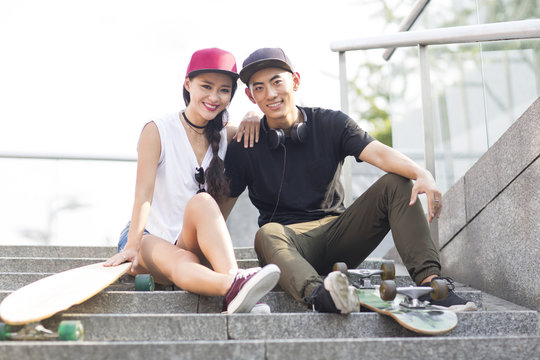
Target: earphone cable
point(282, 179)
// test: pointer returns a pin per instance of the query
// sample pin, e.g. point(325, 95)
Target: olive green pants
point(305, 252)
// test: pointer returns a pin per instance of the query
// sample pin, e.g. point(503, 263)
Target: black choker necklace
point(192, 124)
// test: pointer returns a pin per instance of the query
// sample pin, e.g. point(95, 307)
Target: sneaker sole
point(469, 306)
point(258, 286)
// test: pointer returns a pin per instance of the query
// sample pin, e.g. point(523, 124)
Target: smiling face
point(210, 93)
point(272, 89)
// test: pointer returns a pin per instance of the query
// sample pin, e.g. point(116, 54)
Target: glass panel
point(458, 99)
point(491, 11)
point(512, 82)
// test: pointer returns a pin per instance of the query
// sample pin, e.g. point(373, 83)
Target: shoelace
point(243, 273)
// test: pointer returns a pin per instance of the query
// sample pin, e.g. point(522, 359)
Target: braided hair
point(217, 182)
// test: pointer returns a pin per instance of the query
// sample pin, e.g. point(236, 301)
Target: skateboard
point(22, 310)
point(402, 303)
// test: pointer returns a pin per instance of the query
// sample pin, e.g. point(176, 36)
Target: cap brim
point(248, 71)
point(201, 71)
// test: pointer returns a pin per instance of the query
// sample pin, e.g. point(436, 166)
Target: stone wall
point(489, 230)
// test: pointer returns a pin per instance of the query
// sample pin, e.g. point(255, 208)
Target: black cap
point(264, 58)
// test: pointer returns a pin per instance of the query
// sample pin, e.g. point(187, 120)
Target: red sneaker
point(248, 287)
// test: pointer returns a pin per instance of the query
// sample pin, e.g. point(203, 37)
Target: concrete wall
point(489, 230)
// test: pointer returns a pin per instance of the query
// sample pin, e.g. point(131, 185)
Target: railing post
point(428, 126)
point(344, 92)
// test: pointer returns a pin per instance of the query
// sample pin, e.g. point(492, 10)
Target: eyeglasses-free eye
point(199, 177)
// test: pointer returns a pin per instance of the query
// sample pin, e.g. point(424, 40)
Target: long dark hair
point(217, 182)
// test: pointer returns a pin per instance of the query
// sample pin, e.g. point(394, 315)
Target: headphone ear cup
point(275, 137)
point(299, 133)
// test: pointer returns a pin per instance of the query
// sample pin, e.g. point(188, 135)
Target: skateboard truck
point(438, 289)
point(387, 272)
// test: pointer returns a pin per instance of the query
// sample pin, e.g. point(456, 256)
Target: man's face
point(272, 89)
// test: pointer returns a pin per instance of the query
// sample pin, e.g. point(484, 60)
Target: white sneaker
point(261, 309)
point(344, 296)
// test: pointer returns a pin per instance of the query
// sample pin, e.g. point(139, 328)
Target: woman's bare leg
point(170, 264)
point(205, 234)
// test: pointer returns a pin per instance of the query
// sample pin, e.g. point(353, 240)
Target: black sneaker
point(334, 295)
point(452, 302)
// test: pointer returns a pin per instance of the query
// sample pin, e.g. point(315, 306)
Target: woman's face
point(210, 94)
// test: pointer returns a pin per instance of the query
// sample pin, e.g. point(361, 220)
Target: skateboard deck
point(48, 296)
point(428, 320)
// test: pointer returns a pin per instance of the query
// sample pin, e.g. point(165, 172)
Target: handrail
point(509, 30)
point(52, 156)
point(407, 23)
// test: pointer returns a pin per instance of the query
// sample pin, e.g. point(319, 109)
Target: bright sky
point(81, 77)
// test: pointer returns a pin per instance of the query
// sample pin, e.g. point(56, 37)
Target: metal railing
point(75, 157)
point(511, 30)
point(408, 23)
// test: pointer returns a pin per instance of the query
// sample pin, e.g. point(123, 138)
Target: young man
point(292, 174)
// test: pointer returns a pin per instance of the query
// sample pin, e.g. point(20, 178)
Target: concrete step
point(16, 280)
point(123, 323)
point(55, 265)
point(459, 348)
point(47, 266)
point(96, 252)
point(311, 325)
point(171, 302)
point(104, 252)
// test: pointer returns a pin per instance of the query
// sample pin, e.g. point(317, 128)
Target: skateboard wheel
point(440, 289)
point(389, 271)
point(5, 330)
point(70, 330)
point(340, 266)
point(144, 282)
point(388, 290)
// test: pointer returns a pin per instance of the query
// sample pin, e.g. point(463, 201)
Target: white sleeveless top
point(175, 179)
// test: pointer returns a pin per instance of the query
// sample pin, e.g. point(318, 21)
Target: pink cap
point(212, 60)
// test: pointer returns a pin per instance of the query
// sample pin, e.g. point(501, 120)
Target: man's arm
point(391, 160)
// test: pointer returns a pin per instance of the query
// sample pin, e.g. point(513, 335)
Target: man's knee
point(268, 239)
point(393, 180)
point(267, 234)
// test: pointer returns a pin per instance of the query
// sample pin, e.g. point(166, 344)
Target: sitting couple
point(192, 166)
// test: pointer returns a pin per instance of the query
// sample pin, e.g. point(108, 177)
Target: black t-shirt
point(311, 187)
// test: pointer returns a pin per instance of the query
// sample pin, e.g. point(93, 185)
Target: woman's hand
point(248, 129)
point(126, 255)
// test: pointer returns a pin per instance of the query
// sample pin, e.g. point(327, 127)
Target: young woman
point(176, 227)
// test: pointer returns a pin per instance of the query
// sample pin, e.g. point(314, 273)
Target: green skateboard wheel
point(144, 282)
point(70, 330)
point(5, 331)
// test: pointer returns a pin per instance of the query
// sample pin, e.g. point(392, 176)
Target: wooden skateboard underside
point(429, 321)
point(48, 296)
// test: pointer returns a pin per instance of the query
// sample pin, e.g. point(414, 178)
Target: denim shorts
point(124, 237)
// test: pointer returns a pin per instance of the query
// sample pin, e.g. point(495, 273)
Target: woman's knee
point(202, 203)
